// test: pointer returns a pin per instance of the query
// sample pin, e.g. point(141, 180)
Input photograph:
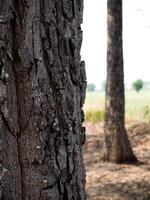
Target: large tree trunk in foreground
point(42, 88)
point(117, 146)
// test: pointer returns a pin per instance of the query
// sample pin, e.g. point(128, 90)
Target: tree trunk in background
point(42, 90)
point(117, 146)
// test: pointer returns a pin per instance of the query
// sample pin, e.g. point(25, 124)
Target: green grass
point(94, 116)
point(137, 106)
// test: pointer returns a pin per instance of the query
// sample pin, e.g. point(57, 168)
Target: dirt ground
point(106, 181)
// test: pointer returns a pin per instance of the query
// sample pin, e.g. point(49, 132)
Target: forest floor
point(107, 181)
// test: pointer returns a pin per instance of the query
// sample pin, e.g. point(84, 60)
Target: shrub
point(147, 113)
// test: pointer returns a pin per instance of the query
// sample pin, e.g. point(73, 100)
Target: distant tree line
point(91, 87)
point(136, 85)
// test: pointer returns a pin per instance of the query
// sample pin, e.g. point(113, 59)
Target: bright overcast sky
point(136, 36)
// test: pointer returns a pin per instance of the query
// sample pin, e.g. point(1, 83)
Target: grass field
point(137, 106)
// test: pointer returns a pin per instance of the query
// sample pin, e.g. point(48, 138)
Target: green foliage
point(147, 113)
point(90, 87)
point(94, 116)
point(138, 85)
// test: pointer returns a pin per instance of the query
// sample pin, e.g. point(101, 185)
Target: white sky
point(136, 36)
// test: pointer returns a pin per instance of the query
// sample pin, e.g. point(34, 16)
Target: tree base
point(107, 157)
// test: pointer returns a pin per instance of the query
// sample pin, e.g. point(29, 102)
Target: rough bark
point(42, 90)
point(117, 145)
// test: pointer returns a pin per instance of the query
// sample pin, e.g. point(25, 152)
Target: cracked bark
point(117, 146)
point(42, 91)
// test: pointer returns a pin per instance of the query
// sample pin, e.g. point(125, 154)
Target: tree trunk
point(117, 146)
point(42, 90)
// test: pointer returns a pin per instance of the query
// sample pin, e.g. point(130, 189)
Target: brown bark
point(117, 145)
point(42, 90)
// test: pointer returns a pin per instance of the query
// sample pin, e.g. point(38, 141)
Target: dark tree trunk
point(42, 90)
point(117, 146)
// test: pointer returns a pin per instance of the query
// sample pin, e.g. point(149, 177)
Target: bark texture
point(117, 145)
point(42, 90)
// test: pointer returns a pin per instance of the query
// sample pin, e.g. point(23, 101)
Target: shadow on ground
point(106, 181)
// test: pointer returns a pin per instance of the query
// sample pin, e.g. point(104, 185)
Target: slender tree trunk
point(42, 90)
point(117, 146)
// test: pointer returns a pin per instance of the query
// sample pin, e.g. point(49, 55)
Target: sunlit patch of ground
point(106, 181)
